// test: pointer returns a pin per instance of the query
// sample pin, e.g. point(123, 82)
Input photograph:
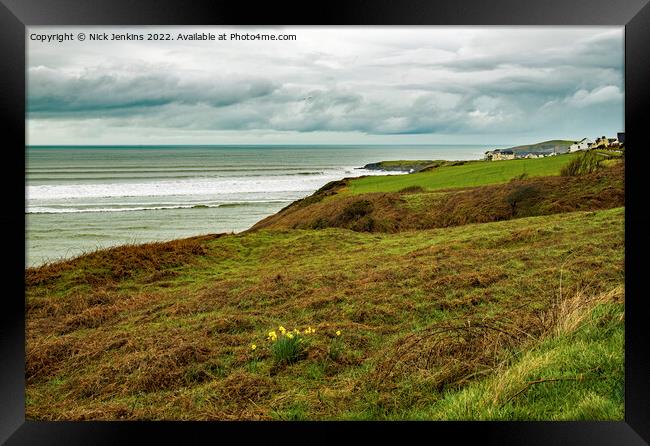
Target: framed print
point(423, 217)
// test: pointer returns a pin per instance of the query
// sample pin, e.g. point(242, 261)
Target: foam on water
point(80, 199)
point(191, 187)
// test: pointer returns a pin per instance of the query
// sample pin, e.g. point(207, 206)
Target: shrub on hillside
point(521, 195)
point(365, 224)
point(584, 163)
point(356, 210)
point(319, 223)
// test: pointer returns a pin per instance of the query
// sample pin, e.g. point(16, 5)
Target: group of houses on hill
point(600, 143)
point(584, 144)
point(508, 154)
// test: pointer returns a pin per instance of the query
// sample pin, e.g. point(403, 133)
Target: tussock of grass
point(585, 162)
point(412, 189)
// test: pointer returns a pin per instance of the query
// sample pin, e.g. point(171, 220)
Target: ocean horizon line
point(250, 145)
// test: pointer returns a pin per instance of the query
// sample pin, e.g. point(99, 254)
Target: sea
point(80, 199)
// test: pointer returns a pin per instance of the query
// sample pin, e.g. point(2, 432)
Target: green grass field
point(467, 175)
point(439, 324)
point(467, 318)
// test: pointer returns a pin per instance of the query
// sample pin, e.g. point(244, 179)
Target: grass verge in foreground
point(171, 338)
point(576, 372)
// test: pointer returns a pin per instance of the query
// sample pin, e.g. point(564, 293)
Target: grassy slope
point(403, 163)
point(545, 146)
point(167, 335)
point(467, 175)
point(393, 212)
point(540, 384)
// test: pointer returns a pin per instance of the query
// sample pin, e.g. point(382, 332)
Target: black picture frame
point(15, 15)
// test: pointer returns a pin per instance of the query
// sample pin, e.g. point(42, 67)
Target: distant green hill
point(557, 145)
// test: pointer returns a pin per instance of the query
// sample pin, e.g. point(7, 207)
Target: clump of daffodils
point(289, 334)
point(288, 346)
point(336, 347)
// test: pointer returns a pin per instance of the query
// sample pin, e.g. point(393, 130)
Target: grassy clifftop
point(412, 165)
point(415, 208)
point(514, 319)
point(477, 173)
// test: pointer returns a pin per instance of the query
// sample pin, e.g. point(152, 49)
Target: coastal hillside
point(462, 174)
point(443, 197)
point(552, 146)
point(451, 323)
point(414, 208)
point(501, 301)
point(400, 165)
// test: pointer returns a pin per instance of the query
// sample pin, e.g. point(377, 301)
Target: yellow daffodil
point(253, 346)
point(338, 332)
point(272, 335)
point(282, 329)
point(289, 335)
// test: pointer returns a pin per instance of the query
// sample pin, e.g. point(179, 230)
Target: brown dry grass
point(451, 352)
point(102, 267)
point(409, 210)
point(130, 348)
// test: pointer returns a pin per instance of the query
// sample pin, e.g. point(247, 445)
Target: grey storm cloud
point(53, 92)
point(586, 52)
point(487, 82)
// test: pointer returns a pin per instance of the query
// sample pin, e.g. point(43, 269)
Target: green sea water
point(80, 199)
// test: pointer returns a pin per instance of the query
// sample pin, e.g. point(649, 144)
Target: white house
point(499, 154)
point(583, 144)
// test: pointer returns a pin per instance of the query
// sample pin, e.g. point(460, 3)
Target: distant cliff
point(554, 145)
point(399, 165)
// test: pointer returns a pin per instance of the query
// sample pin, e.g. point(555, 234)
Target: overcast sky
point(332, 85)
